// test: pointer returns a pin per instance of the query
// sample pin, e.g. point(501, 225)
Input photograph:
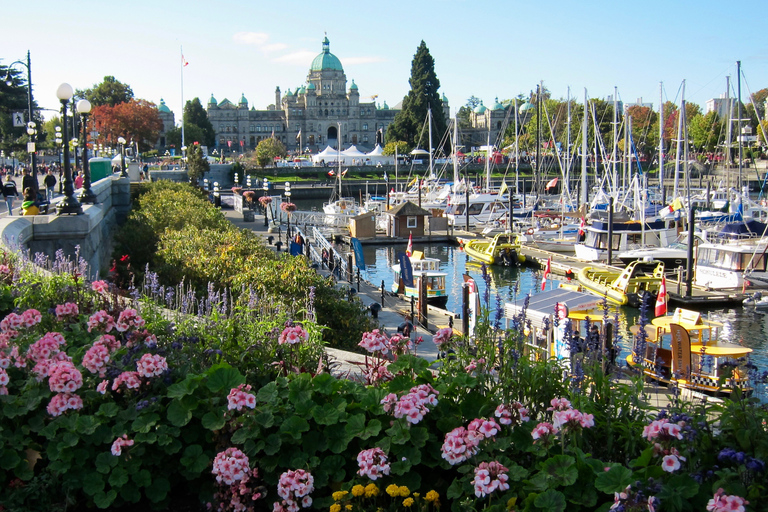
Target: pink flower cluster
point(294, 487)
point(130, 379)
point(628, 500)
point(293, 335)
point(101, 320)
point(559, 404)
point(67, 311)
point(63, 401)
point(375, 341)
point(230, 466)
point(568, 419)
point(373, 463)
point(473, 364)
point(46, 351)
point(100, 287)
point(490, 477)
point(63, 377)
point(662, 433)
point(4, 380)
point(462, 443)
point(128, 318)
point(722, 502)
point(413, 405)
point(400, 344)
point(14, 321)
point(543, 431)
point(151, 365)
point(442, 337)
point(239, 398)
point(117, 446)
point(96, 358)
point(514, 414)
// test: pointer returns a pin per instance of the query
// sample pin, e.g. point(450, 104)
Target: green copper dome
point(311, 86)
point(326, 60)
point(353, 87)
point(497, 105)
point(163, 107)
point(525, 107)
point(385, 106)
point(212, 101)
point(480, 109)
point(243, 101)
point(444, 99)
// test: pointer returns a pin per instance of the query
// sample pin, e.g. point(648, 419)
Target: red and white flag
point(661, 298)
point(581, 227)
point(184, 62)
point(409, 249)
point(331, 173)
point(547, 269)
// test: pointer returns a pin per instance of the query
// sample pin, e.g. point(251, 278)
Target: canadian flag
point(331, 173)
point(409, 249)
point(661, 298)
point(547, 269)
point(581, 227)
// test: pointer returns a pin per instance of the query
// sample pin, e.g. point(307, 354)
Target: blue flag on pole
point(406, 269)
point(357, 247)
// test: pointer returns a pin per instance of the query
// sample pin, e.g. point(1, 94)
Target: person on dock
point(406, 328)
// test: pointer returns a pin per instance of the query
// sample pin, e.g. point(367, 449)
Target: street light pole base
point(69, 206)
point(87, 197)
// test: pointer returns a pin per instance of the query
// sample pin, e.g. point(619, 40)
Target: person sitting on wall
point(29, 205)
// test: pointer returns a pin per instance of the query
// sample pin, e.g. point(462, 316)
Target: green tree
point(197, 164)
point(195, 115)
point(267, 150)
point(402, 148)
point(192, 133)
point(464, 114)
point(758, 99)
point(645, 131)
point(109, 92)
point(13, 98)
point(704, 131)
point(408, 123)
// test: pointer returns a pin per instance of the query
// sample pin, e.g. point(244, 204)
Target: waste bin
point(375, 308)
point(100, 168)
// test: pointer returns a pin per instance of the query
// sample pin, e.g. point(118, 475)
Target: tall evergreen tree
point(408, 123)
point(109, 92)
point(195, 114)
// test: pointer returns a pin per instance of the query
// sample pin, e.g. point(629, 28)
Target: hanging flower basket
point(265, 201)
point(250, 199)
point(288, 207)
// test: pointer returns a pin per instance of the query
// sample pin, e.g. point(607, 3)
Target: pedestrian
point(406, 328)
point(29, 205)
point(50, 182)
point(10, 192)
point(28, 181)
point(61, 179)
point(79, 180)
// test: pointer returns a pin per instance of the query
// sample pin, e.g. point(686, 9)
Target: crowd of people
point(34, 195)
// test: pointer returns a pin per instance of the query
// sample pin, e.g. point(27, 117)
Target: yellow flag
point(677, 204)
point(503, 188)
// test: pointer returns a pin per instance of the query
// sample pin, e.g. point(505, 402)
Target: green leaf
point(267, 394)
point(337, 438)
point(273, 444)
point(109, 409)
point(325, 384)
point(294, 427)
point(419, 436)
point(355, 425)
point(183, 388)
point(145, 422)
point(130, 494)
point(325, 415)
point(614, 480)
point(224, 379)
point(104, 500)
point(105, 462)
point(561, 469)
point(142, 478)
point(643, 460)
point(178, 415)
point(87, 424)
point(300, 389)
point(118, 477)
point(265, 418)
point(214, 420)
point(551, 501)
point(158, 489)
point(9, 459)
point(400, 467)
point(194, 459)
point(516, 472)
point(93, 483)
point(399, 432)
point(677, 491)
point(455, 490)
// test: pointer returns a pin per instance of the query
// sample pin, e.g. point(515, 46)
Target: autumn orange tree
point(136, 120)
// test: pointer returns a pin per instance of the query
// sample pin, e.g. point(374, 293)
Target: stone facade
point(169, 122)
point(309, 117)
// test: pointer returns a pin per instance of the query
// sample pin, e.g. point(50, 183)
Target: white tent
point(377, 155)
point(327, 155)
point(352, 155)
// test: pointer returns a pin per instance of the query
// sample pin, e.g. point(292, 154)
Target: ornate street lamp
point(288, 200)
point(121, 141)
point(9, 83)
point(87, 195)
point(69, 204)
point(265, 187)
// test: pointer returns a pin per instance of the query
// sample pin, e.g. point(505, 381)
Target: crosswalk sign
point(18, 119)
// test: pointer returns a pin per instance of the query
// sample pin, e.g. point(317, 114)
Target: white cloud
point(254, 38)
point(274, 47)
point(300, 57)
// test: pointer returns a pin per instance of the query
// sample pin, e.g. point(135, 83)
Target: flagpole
point(181, 64)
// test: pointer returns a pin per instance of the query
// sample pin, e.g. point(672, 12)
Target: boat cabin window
point(456, 209)
point(498, 207)
point(475, 208)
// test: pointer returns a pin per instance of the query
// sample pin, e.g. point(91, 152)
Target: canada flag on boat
point(661, 298)
point(547, 269)
point(409, 249)
point(331, 173)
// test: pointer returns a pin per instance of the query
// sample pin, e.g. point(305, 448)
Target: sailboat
point(339, 209)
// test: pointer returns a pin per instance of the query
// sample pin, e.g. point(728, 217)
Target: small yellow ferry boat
point(502, 249)
point(623, 287)
point(683, 348)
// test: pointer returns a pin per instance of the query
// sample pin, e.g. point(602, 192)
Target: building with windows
point(167, 117)
point(321, 112)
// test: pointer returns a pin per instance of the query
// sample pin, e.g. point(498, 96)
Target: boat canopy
point(542, 305)
point(750, 228)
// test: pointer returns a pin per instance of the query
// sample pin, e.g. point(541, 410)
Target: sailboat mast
point(429, 120)
point(538, 142)
point(584, 128)
point(488, 154)
point(614, 153)
point(738, 126)
point(676, 190)
point(661, 142)
point(456, 151)
point(728, 131)
point(517, 154)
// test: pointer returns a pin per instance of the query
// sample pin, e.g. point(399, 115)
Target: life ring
point(530, 231)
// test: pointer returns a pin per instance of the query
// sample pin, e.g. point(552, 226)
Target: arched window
point(326, 111)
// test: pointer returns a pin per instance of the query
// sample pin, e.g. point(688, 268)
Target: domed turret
point(480, 109)
point(243, 101)
point(353, 87)
point(164, 108)
point(497, 105)
point(326, 60)
point(444, 99)
point(212, 101)
point(525, 107)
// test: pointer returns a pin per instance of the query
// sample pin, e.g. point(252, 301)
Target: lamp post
point(237, 179)
point(58, 141)
point(248, 181)
point(87, 195)
point(288, 200)
point(69, 204)
point(265, 188)
point(121, 141)
point(30, 113)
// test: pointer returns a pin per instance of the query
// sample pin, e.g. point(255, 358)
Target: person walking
point(10, 192)
point(27, 181)
point(50, 182)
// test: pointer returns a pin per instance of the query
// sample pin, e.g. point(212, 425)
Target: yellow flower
point(338, 495)
point(407, 502)
point(432, 496)
point(403, 491)
point(393, 490)
point(349, 506)
point(371, 490)
point(358, 490)
point(416, 495)
point(335, 508)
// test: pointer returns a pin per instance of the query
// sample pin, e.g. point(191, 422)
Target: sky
point(482, 48)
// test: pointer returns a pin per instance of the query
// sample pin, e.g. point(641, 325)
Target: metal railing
point(323, 242)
